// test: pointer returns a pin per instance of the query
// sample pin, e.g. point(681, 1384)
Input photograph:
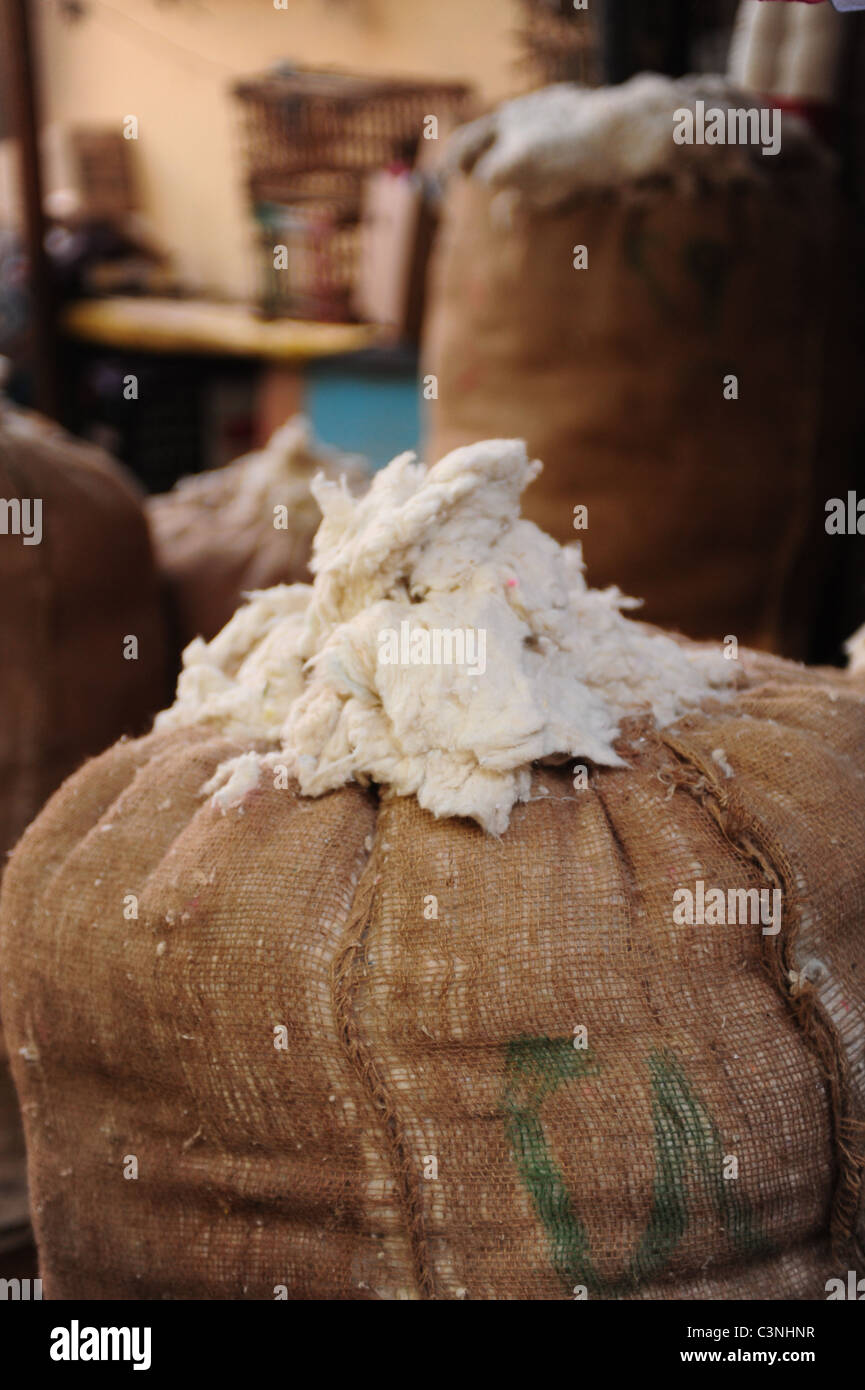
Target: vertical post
point(851, 122)
point(616, 28)
point(677, 58)
point(637, 36)
point(18, 71)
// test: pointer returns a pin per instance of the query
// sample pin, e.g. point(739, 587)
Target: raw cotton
point(564, 140)
point(855, 649)
point(223, 533)
point(428, 551)
point(337, 1035)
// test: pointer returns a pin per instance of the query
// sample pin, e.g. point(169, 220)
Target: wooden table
point(199, 327)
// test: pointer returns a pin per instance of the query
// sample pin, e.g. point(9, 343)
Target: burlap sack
point(215, 534)
point(326, 1048)
point(14, 1214)
point(710, 509)
point(67, 606)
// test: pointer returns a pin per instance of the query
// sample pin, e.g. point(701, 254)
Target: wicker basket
point(311, 138)
point(559, 43)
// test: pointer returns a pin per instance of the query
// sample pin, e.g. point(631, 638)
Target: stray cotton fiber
point(855, 649)
point(444, 646)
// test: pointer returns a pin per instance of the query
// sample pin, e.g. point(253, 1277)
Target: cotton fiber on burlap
point(370, 978)
point(597, 287)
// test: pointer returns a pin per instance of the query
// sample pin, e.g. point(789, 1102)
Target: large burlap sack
point(218, 535)
point(711, 509)
point(252, 1059)
point(70, 682)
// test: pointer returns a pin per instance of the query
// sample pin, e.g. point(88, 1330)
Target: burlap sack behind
point(712, 510)
point(207, 566)
point(14, 1213)
point(429, 1129)
point(66, 689)
point(66, 605)
point(214, 533)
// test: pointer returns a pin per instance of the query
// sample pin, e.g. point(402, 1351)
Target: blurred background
point(176, 149)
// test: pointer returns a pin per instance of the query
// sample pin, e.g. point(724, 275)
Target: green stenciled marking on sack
point(709, 264)
point(536, 1067)
point(637, 243)
point(685, 1139)
point(686, 1144)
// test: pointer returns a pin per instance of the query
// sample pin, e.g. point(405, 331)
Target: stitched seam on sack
point(636, 908)
point(344, 985)
point(748, 838)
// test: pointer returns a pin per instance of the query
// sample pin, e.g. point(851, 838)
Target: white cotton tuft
point(445, 645)
point(855, 649)
point(554, 144)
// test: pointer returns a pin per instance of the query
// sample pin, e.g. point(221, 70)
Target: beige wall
point(171, 63)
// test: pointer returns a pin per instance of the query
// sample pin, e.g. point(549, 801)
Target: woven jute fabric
point(332, 1048)
point(715, 520)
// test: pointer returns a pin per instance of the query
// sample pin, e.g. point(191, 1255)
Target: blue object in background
point(369, 403)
